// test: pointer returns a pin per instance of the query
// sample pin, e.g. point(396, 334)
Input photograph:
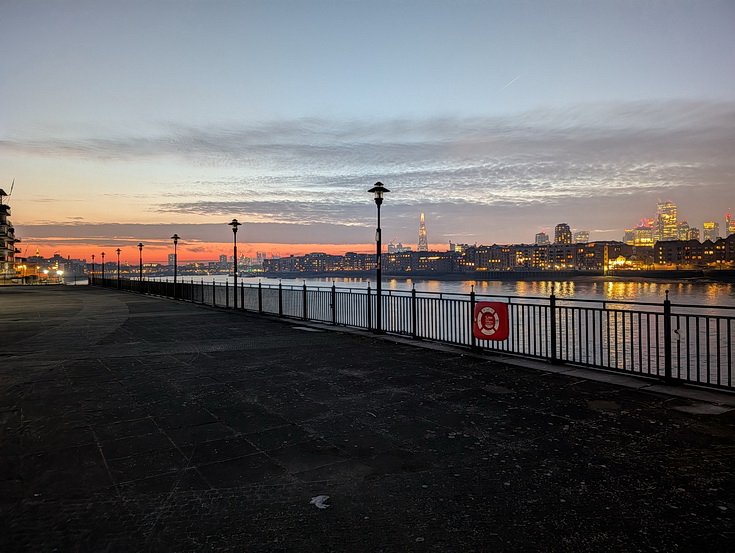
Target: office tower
point(582, 237)
point(562, 234)
point(665, 228)
point(643, 236)
point(423, 240)
point(682, 231)
point(171, 259)
point(693, 233)
point(711, 231)
point(729, 225)
point(542, 238)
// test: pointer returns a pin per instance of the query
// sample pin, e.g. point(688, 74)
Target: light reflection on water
point(680, 292)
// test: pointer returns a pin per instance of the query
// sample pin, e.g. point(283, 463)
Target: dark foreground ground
point(132, 423)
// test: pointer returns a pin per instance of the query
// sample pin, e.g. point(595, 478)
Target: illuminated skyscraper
point(665, 228)
point(423, 240)
point(729, 225)
point(562, 234)
point(542, 238)
point(711, 231)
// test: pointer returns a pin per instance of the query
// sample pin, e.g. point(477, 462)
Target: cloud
point(596, 163)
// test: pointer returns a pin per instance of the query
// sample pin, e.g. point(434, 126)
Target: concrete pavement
point(135, 423)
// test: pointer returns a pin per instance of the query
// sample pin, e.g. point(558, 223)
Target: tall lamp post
point(92, 268)
point(378, 190)
point(176, 239)
point(103, 267)
point(118, 268)
point(234, 224)
point(140, 249)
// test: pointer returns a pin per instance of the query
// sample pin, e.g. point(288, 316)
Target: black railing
point(674, 343)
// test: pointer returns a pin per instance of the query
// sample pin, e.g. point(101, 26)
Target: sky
point(126, 122)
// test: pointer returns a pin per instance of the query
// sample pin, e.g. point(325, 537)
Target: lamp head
point(140, 246)
point(175, 238)
point(378, 190)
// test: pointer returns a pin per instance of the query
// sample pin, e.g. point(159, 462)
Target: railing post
point(414, 314)
point(473, 301)
point(214, 294)
point(552, 329)
point(260, 297)
point(242, 296)
point(668, 379)
point(280, 299)
point(334, 304)
point(202, 291)
point(369, 310)
point(227, 294)
point(304, 302)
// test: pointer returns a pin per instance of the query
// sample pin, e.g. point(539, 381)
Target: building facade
point(8, 241)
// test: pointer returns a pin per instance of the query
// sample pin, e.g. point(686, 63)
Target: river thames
point(593, 288)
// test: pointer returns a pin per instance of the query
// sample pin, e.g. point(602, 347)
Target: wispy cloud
point(576, 162)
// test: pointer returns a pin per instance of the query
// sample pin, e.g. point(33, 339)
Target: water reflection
point(602, 288)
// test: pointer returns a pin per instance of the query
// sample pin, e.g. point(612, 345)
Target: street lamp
point(140, 249)
point(92, 268)
point(175, 238)
point(118, 267)
point(378, 190)
point(234, 224)
point(103, 267)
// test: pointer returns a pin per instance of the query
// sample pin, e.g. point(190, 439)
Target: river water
point(681, 292)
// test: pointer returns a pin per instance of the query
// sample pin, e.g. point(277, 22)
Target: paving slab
point(137, 423)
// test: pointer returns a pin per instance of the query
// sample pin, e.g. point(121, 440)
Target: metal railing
point(675, 343)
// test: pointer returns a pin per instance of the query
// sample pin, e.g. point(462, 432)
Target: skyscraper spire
point(423, 242)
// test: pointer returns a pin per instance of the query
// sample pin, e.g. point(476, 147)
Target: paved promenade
point(135, 423)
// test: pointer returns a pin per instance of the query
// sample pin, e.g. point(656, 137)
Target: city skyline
point(126, 124)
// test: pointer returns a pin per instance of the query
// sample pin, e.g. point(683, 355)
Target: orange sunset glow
point(158, 252)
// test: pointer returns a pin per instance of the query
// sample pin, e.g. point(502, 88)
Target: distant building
point(729, 225)
point(7, 242)
point(396, 248)
point(666, 227)
point(682, 231)
point(562, 234)
point(582, 237)
point(171, 259)
point(541, 238)
point(711, 231)
point(423, 239)
point(693, 234)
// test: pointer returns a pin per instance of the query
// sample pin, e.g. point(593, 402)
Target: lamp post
point(378, 190)
point(103, 267)
point(175, 238)
point(118, 267)
point(140, 249)
point(234, 224)
point(92, 268)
